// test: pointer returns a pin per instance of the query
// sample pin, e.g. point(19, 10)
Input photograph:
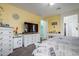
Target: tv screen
point(30, 27)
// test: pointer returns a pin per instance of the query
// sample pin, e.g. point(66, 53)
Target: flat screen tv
point(30, 27)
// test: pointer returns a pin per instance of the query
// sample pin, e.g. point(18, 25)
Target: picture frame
point(54, 23)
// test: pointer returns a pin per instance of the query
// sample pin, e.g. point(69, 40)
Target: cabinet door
point(37, 38)
point(26, 42)
point(19, 42)
point(34, 38)
point(30, 39)
point(15, 43)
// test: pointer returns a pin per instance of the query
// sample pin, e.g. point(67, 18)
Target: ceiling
point(44, 9)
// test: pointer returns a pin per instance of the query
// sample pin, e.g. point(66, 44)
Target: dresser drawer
point(6, 32)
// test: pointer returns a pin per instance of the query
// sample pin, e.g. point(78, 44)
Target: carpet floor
point(23, 51)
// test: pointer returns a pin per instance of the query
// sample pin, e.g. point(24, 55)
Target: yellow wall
point(25, 16)
point(53, 19)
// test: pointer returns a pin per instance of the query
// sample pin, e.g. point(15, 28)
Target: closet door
point(71, 25)
point(75, 25)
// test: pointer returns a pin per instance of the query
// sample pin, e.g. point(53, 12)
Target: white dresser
point(6, 41)
point(30, 39)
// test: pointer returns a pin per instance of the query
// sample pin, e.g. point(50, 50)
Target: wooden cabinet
point(6, 41)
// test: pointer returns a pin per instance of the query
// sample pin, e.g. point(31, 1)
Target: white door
point(71, 25)
point(75, 26)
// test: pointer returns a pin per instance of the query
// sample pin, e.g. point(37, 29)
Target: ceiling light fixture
point(51, 3)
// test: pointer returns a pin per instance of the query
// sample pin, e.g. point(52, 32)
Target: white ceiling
point(43, 9)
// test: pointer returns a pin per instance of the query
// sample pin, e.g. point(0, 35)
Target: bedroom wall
point(24, 16)
point(53, 19)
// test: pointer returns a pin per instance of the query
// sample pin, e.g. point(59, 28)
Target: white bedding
point(63, 46)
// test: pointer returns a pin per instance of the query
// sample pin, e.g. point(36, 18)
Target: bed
point(62, 46)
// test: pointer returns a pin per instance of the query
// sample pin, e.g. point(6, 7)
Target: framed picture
point(54, 23)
